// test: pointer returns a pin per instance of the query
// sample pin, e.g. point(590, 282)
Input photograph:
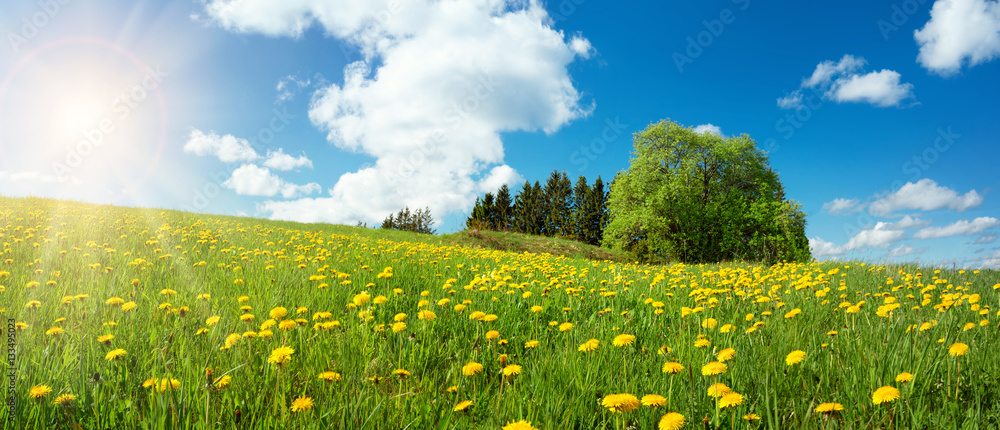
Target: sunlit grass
point(794, 346)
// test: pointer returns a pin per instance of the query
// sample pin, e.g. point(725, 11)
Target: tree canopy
point(700, 197)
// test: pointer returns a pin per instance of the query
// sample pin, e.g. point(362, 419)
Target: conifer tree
point(502, 209)
point(558, 196)
point(581, 205)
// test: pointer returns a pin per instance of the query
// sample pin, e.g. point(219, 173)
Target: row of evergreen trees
point(419, 221)
point(558, 209)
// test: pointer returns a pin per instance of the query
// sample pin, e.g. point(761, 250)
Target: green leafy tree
point(700, 197)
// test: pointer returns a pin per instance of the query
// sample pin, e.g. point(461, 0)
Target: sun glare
point(83, 111)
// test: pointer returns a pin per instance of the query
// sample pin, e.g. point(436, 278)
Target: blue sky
point(879, 117)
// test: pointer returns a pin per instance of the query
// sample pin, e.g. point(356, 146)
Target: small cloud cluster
point(923, 195)
point(250, 179)
point(288, 87)
point(708, 128)
point(845, 81)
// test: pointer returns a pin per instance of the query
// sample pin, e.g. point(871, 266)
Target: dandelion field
point(140, 318)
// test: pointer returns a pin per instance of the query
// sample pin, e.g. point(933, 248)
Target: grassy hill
point(144, 318)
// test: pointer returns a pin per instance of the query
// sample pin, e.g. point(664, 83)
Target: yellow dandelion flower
point(730, 399)
point(623, 402)
point(958, 349)
point(39, 391)
point(623, 340)
point(54, 331)
point(795, 357)
point(167, 384)
point(301, 404)
point(829, 407)
point(278, 313)
point(281, 355)
point(671, 421)
point(519, 425)
point(492, 334)
point(904, 377)
point(566, 326)
point(472, 368)
point(402, 373)
point(702, 343)
point(463, 405)
point(330, 376)
point(64, 399)
point(588, 346)
point(714, 368)
point(718, 389)
point(115, 354)
point(531, 344)
point(726, 354)
point(672, 367)
point(653, 400)
point(885, 394)
point(511, 370)
point(751, 417)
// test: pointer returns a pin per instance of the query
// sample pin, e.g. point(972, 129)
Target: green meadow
point(152, 319)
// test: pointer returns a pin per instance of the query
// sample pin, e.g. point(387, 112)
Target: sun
point(77, 112)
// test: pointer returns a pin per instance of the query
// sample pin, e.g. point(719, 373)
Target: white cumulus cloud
point(821, 248)
point(904, 250)
point(279, 160)
point(959, 228)
point(880, 88)
point(440, 82)
point(926, 195)
point(842, 206)
point(228, 148)
point(845, 81)
point(959, 32)
point(251, 180)
point(710, 128)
